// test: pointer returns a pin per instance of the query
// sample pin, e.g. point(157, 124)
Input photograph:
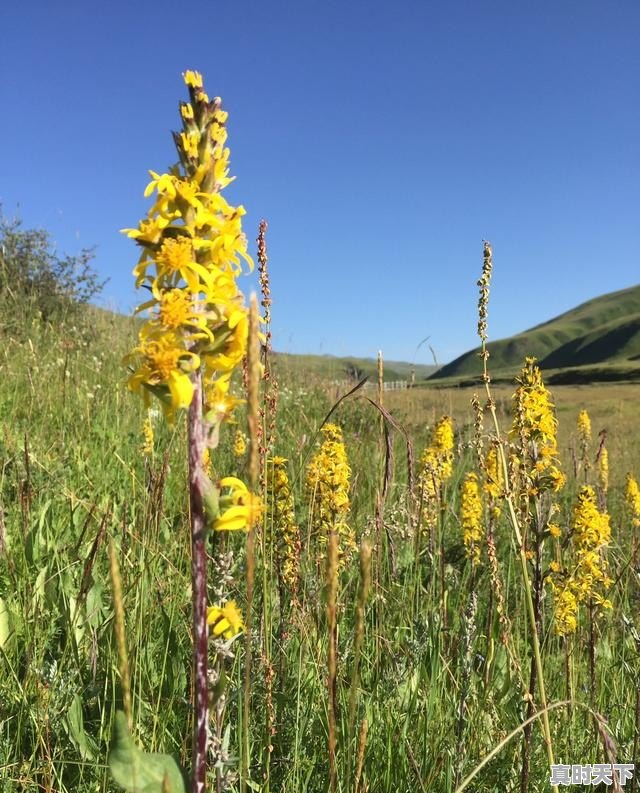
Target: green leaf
point(211, 499)
point(138, 771)
point(5, 629)
point(75, 723)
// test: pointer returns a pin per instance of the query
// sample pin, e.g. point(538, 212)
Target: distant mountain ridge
point(350, 367)
point(604, 331)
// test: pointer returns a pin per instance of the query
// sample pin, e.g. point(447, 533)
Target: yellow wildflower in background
point(584, 437)
point(493, 486)
point(534, 430)
point(285, 531)
point(471, 517)
point(565, 607)
point(584, 427)
point(226, 620)
point(588, 577)
point(239, 509)
point(147, 437)
point(632, 497)
point(327, 486)
point(436, 467)
point(603, 470)
point(239, 443)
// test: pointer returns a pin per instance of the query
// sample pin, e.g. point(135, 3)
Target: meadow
point(252, 579)
point(429, 677)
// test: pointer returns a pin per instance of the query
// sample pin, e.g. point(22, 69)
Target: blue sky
point(382, 142)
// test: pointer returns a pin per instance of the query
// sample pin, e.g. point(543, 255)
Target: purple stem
point(199, 589)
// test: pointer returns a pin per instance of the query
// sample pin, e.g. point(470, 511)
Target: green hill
point(599, 334)
point(334, 368)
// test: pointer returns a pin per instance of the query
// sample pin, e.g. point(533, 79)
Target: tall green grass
point(437, 687)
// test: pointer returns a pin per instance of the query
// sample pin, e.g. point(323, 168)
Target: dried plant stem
point(196, 445)
point(362, 742)
point(121, 638)
point(363, 591)
point(332, 627)
point(636, 740)
point(253, 367)
point(509, 500)
point(592, 656)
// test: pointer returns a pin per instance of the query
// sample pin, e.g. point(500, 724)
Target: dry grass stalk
point(332, 659)
point(121, 638)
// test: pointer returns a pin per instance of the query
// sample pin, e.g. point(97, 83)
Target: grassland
point(440, 685)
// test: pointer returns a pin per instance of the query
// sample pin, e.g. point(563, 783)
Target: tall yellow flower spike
point(327, 485)
point(436, 467)
point(588, 578)
point(471, 517)
point(535, 431)
point(192, 246)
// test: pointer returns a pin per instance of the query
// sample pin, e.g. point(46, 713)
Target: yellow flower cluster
point(192, 246)
point(584, 427)
point(285, 529)
point(603, 469)
point(327, 485)
point(471, 517)
point(632, 496)
point(589, 576)
point(147, 437)
point(535, 431)
point(238, 508)
point(226, 620)
point(239, 444)
point(493, 486)
point(436, 467)
point(584, 436)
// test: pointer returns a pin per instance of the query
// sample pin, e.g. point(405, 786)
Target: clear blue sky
point(381, 140)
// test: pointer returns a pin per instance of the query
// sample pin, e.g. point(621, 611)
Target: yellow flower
point(436, 467)
point(240, 509)
point(285, 529)
point(239, 444)
point(471, 517)
point(584, 427)
point(327, 485)
point(186, 111)
point(190, 141)
point(176, 260)
point(591, 535)
point(192, 246)
point(164, 361)
point(603, 469)
point(147, 434)
point(534, 429)
point(565, 607)
point(226, 620)
point(632, 497)
point(193, 79)
point(493, 485)
point(554, 530)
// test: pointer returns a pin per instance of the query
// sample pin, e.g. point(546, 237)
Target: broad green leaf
point(75, 723)
point(138, 771)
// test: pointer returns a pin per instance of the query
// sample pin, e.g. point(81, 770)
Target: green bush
point(34, 277)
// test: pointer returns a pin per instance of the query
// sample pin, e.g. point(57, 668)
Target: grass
point(329, 367)
point(437, 688)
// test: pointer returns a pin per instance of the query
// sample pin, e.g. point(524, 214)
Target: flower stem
point(199, 588)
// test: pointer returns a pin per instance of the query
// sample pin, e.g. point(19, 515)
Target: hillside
point(334, 368)
point(603, 332)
